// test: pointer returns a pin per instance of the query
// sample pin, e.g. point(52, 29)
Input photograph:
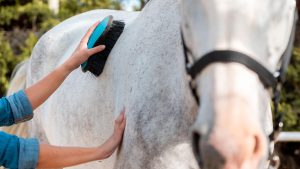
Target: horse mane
point(18, 78)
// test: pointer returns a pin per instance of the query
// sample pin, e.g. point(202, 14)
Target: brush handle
point(99, 31)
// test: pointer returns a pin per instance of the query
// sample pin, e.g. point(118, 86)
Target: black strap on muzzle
point(229, 56)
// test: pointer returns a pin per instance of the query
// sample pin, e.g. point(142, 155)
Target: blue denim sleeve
point(18, 153)
point(6, 116)
point(28, 153)
point(15, 109)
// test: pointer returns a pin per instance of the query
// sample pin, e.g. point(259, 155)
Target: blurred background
point(22, 22)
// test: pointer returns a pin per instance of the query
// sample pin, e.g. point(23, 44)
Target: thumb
point(96, 49)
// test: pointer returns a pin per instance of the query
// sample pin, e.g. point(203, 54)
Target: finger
point(89, 32)
point(123, 125)
point(96, 50)
point(123, 110)
point(123, 115)
point(120, 118)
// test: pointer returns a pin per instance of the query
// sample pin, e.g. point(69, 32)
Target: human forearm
point(40, 91)
point(58, 157)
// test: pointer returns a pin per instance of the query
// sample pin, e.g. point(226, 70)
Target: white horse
point(234, 118)
point(146, 73)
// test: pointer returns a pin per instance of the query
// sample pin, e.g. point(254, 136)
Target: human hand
point(113, 142)
point(82, 53)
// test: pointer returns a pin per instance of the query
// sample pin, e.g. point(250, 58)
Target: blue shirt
point(17, 153)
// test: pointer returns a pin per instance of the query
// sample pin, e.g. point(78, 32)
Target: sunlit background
point(130, 5)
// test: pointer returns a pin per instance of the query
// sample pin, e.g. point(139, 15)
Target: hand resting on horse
point(57, 157)
point(29, 153)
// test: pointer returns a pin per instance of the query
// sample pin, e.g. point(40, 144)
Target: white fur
point(144, 73)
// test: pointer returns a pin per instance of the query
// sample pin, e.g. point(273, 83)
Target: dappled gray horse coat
point(145, 73)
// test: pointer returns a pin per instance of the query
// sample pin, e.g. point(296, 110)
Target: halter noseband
point(227, 56)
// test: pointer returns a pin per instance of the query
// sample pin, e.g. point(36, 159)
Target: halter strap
point(227, 56)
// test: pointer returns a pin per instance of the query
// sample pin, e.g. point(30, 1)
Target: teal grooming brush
point(106, 33)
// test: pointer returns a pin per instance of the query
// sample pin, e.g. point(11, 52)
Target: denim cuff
point(28, 153)
point(20, 106)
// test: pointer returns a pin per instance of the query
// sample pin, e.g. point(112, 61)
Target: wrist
point(67, 68)
point(63, 71)
point(99, 153)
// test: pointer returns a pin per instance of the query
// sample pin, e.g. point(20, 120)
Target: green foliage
point(48, 24)
point(6, 56)
point(7, 15)
point(27, 16)
point(22, 21)
point(28, 46)
point(70, 8)
point(8, 60)
point(36, 15)
point(290, 103)
point(33, 14)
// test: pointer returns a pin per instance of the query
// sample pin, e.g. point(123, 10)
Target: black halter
point(226, 56)
point(269, 79)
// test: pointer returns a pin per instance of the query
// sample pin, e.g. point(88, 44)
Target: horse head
point(235, 48)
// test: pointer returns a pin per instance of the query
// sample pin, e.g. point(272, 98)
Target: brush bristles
point(97, 62)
